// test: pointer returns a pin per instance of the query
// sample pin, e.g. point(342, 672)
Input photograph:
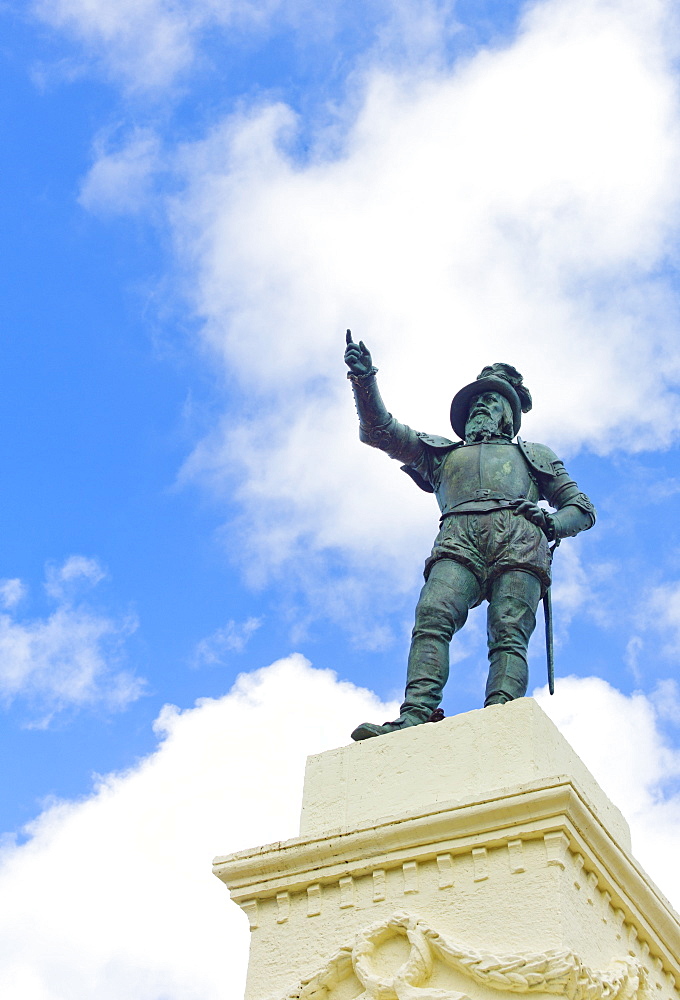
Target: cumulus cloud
point(118, 890)
point(71, 657)
point(519, 207)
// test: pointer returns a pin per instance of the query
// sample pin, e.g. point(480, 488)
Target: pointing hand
point(357, 357)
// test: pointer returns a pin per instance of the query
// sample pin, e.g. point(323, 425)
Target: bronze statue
point(494, 538)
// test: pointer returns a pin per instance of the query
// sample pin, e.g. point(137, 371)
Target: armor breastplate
point(479, 477)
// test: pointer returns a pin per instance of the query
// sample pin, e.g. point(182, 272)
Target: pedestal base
point(463, 858)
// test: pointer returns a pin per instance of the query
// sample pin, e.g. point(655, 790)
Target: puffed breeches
point(489, 544)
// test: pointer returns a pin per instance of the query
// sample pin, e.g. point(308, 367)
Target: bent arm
point(575, 511)
point(377, 427)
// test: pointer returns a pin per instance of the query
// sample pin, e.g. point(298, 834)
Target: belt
point(481, 495)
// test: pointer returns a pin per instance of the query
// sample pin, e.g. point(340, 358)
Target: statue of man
point(494, 538)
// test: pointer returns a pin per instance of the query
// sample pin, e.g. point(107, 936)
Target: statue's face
point(488, 403)
point(487, 417)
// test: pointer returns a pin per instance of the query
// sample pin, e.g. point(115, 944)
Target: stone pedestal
point(461, 859)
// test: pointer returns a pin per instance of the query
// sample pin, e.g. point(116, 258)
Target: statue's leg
point(511, 619)
point(449, 593)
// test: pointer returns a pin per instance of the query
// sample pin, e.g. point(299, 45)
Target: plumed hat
point(500, 378)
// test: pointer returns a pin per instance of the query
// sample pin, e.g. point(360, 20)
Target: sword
point(547, 614)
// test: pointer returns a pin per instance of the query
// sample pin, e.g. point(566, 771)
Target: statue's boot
point(368, 729)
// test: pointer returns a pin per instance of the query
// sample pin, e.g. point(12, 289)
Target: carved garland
point(557, 972)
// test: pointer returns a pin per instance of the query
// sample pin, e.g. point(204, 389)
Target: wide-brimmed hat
point(500, 378)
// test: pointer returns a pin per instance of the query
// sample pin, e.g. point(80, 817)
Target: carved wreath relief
point(556, 972)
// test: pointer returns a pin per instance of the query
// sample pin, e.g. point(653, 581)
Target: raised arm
point(377, 427)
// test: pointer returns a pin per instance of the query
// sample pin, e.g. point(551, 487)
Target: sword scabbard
point(547, 614)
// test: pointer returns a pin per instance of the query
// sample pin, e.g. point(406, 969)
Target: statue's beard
point(483, 427)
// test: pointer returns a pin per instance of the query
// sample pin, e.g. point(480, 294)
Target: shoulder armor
point(539, 456)
point(437, 444)
point(440, 443)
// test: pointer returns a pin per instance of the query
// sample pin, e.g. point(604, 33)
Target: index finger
point(349, 337)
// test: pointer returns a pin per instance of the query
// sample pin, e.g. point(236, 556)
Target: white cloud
point(118, 890)
point(232, 638)
point(662, 613)
point(120, 178)
point(573, 586)
point(634, 648)
point(11, 592)
point(72, 574)
point(414, 32)
point(518, 208)
point(144, 43)
point(666, 699)
point(71, 657)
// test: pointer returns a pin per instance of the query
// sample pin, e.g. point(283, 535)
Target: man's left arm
point(574, 512)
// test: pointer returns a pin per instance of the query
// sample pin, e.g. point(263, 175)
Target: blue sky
point(198, 199)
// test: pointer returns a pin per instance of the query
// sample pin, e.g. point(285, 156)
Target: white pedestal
point(465, 858)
